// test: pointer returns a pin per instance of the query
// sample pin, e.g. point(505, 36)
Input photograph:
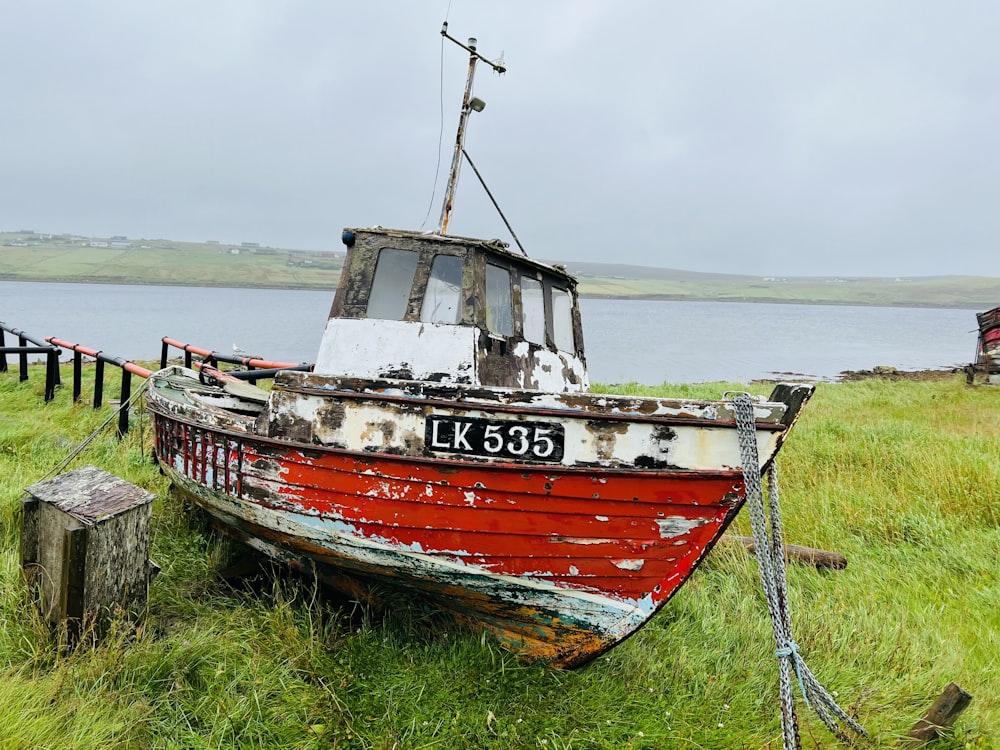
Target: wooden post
point(72, 587)
point(85, 539)
point(939, 716)
point(29, 539)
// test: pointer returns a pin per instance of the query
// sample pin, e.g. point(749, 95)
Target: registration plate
point(494, 438)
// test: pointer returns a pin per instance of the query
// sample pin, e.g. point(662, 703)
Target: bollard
point(85, 538)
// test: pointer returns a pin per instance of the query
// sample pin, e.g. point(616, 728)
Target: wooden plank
point(29, 537)
point(71, 589)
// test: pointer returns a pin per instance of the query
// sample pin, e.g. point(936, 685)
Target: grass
point(901, 477)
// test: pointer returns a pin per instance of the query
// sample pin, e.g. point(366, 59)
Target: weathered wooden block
point(85, 539)
point(941, 715)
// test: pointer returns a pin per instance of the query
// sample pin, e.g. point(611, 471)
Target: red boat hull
point(560, 562)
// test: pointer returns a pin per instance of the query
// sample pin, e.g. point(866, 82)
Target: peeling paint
point(633, 565)
point(527, 548)
point(677, 525)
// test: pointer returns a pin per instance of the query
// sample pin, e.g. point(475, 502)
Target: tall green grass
point(903, 478)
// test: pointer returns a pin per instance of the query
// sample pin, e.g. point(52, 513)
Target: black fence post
point(123, 406)
point(99, 384)
point(164, 351)
point(3, 357)
point(77, 375)
point(187, 358)
point(23, 358)
point(51, 374)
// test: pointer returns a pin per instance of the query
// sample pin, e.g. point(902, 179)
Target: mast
point(469, 103)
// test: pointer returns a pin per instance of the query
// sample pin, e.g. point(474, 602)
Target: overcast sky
point(797, 137)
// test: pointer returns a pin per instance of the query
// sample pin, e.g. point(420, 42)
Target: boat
point(988, 344)
point(446, 445)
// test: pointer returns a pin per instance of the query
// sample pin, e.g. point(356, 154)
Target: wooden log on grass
point(939, 716)
point(821, 558)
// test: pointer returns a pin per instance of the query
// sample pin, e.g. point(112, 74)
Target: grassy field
point(169, 262)
point(30, 257)
point(901, 477)
point(956, 291)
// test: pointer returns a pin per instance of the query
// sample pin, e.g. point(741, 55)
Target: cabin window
point(533, 310)
point(499, 310)
point(562, 320)
point(390, 293)
point(442, 300)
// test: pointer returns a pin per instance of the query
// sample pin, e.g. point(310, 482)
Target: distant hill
point(622, 271)
point(32, 256)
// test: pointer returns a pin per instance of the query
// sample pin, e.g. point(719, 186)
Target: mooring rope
point(58, 469)
point(771, 565)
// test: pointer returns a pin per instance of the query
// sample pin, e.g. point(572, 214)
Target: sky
point(779, 138)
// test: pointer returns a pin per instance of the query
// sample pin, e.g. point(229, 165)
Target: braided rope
point(771, 566)
point(58, 469)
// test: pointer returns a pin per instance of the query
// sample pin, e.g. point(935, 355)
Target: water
point(627, 340)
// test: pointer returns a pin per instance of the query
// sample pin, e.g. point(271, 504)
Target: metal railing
point(22, 349)
point(52, 348)
point(127, 367)
point(257, 369)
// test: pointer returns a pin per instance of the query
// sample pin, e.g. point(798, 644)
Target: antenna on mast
point(469, 103)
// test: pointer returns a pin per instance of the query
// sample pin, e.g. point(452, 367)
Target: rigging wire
point(437, 169)
point(495, 204)
point(136, 394)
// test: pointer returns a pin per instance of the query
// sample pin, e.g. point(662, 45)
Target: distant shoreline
point(583, 294)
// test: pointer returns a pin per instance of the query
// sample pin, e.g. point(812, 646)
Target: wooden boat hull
point(559, 562)
point(988, 347)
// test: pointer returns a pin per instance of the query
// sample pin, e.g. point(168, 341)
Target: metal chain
point(771, 565)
